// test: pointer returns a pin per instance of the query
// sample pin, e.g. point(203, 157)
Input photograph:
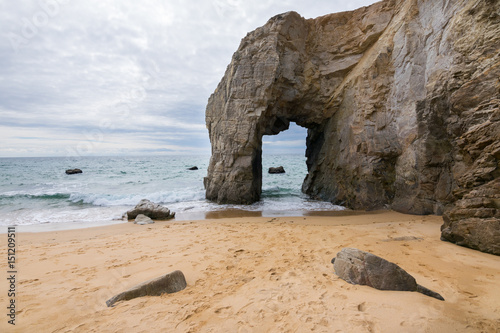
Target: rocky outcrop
point(279, 169)
point(166, 284)
point(151, 210)
point(73, 171)
point(401, 100)
point(360, 267)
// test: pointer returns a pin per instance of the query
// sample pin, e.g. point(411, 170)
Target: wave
point(41, 196)
point(106, 200)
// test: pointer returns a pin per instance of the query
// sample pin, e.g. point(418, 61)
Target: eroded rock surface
point(402, 104)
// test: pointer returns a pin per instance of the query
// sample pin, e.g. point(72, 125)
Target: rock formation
point(166, 284)
point(401, 100)
point(142, 219)
point(360, 267)
point(73, 171)
point(279, 169)
point(151, 210)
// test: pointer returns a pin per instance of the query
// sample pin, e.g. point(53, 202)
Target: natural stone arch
point(401, 101)
point(271, 81)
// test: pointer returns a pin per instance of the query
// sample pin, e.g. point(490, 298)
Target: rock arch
point(402, 104)
point(273, 79)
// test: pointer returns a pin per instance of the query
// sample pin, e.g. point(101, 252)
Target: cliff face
point(402, 104)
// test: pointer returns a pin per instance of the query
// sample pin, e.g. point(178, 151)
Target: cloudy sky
point(122, 77)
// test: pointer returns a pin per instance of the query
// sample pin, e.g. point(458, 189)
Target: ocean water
point(37, 191)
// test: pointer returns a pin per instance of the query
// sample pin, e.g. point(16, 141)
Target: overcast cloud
point(124, 77)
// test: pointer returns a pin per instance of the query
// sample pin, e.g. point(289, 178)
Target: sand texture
point(251, 274)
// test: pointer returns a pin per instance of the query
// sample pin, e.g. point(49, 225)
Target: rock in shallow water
point(73, 171)
point(279, 169)
point(151, 210)
point(360, 267)
point(166, 284)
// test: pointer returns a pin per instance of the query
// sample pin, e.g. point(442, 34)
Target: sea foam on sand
point(251, 274)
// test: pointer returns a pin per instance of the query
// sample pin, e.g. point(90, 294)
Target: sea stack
point(73, 171)
point(279, 169)
point(401, 100)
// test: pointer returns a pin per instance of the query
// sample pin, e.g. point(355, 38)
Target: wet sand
point(250, 274)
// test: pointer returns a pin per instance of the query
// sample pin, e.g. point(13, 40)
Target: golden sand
point(250, 274)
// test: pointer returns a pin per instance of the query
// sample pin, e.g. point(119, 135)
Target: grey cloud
point(145, 67)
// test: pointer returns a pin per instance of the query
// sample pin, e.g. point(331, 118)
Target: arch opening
point(284, 149)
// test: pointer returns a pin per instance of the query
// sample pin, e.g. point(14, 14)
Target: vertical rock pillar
point(243, 108)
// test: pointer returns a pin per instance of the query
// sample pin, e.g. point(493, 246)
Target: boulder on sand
point(142, 219)
point(151, 210)
point(360, 267)
point(166, 284)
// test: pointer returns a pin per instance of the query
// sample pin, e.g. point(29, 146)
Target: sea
point(38, 192)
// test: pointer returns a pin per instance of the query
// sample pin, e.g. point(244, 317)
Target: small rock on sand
point(143, 219)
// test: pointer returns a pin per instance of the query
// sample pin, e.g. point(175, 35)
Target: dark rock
point(73, 171)
point(359, 267)
point(193, 168)
point(142, 219)
point(151, 210)
point(388, 125)
point(279, 169)
point(166, 284)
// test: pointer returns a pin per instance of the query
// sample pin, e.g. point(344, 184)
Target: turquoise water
point(37, 190)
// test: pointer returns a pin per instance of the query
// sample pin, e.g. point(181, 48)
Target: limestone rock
point(359, 267)
point(142, 219)
point(166, 284)
point(401, 100)
point(151, 210)
point(279, 169)
point(73, 171)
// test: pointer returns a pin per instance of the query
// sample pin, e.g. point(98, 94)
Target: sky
point(122, 77)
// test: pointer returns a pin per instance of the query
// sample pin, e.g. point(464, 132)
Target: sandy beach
point(250, 274)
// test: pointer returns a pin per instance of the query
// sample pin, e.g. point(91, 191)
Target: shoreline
point(185, 216)
point(251, 274)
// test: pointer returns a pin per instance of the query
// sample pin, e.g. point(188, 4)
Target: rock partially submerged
point(193, 168)
point(142, 219)
point(279, 169)
point(360, 267)
point(166, 284)
point(151, 210)
point(73, 171)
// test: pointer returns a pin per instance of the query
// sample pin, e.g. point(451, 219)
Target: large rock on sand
point(151, 210)
point(360, 267)
point(166, 284)
point(402, 105)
